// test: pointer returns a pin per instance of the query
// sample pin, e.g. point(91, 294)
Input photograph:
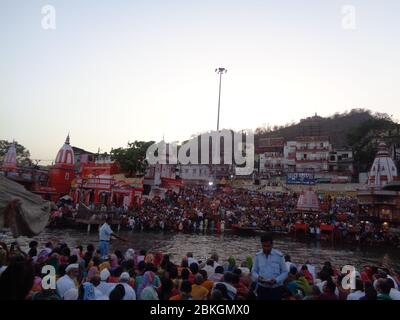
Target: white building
point(312, 154)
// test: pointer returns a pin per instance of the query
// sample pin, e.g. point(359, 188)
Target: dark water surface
point(225, 245)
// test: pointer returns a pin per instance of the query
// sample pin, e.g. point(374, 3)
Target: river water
point(225, 245)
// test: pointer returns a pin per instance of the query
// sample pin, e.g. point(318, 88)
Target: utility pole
point(220, 71)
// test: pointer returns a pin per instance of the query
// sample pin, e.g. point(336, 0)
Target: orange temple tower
point(62, 173)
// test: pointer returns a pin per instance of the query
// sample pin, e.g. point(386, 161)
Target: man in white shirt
point(129, 292)
point(105, 234)
point(394, 293)
point(67, 281)
point(358, 292)
point(105, 287)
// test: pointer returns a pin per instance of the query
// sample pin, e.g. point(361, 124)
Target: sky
point(117, 71)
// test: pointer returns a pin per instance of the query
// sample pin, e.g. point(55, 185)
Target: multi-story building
point(271, 157)
point(289, 155)
point(341, 164)
point(312, 154)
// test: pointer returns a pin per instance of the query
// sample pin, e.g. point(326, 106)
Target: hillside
point(337, 127)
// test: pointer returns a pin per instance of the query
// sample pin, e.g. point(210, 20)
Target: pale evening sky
point(116, 71)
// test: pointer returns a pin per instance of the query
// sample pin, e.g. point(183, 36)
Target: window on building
point(305, 156)
point(194, 171)
point(332, 158)
point(186, 170)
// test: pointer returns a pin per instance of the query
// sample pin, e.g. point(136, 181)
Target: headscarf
point(104, 265)
point(53, 261)
point(148, 280)
point(93, 271)
point(149, 293)
point(130, 254)
point(88, 291)
point(249, 262)
point(232, 263)
point(149, 258)
point(113, 261)
point(158, 258)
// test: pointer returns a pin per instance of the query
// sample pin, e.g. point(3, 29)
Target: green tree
point(22, 153)
point(364, 140)
point(132, 160)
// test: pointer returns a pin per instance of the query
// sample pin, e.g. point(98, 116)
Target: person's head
point(359, 285)
point(224, 291)
point(204, 274)
point(194, 268)
point(96, 261)
point(228, 277)
point(185, 274)
point(33, 244)
point(238, 272)
point(117, 272)
point(210, 262)
point(219, 269)
point(324, 275)
point(142, 252)
point(90, 248)
point(95, 280)
point(186, 287)
point(49, 245)
point(150, 267)
point(390, 283)
point(370, 292)
point(108, 220)
point(304, 267)
point(141, 266)
point(287, 258)
point(72, 259)
point(72, 270)
point(166, 284)
point(293, 270)
point(329, 287)
point(117, 293)
point(184, 263)
point(198, 279)
point(216, 295)
point(214, 257)
point(16, 280)
point(382, 286)
point(124, 277)
point(173, 272)
point(104, 274)
point(266, 242)
point(189, 255)
point(315, 291)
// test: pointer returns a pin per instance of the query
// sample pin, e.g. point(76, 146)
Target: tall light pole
point(220, 71)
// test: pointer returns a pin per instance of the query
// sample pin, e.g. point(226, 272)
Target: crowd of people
point(205, 209)
point(84, 274)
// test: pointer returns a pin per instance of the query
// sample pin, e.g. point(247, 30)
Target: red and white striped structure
point(383, 169)
point(10, 159)
point(65, 156)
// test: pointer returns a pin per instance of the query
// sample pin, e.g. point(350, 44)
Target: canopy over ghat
point(308, 201)
point(24, 212)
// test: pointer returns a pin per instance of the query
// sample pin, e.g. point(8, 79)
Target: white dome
point(65, 157)
point(383, 169)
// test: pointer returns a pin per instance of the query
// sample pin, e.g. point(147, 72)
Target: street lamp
point(220, 71)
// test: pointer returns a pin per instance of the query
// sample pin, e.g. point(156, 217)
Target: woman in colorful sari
point(148, 284)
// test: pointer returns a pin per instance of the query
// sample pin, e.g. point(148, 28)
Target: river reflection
point(225, 245)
